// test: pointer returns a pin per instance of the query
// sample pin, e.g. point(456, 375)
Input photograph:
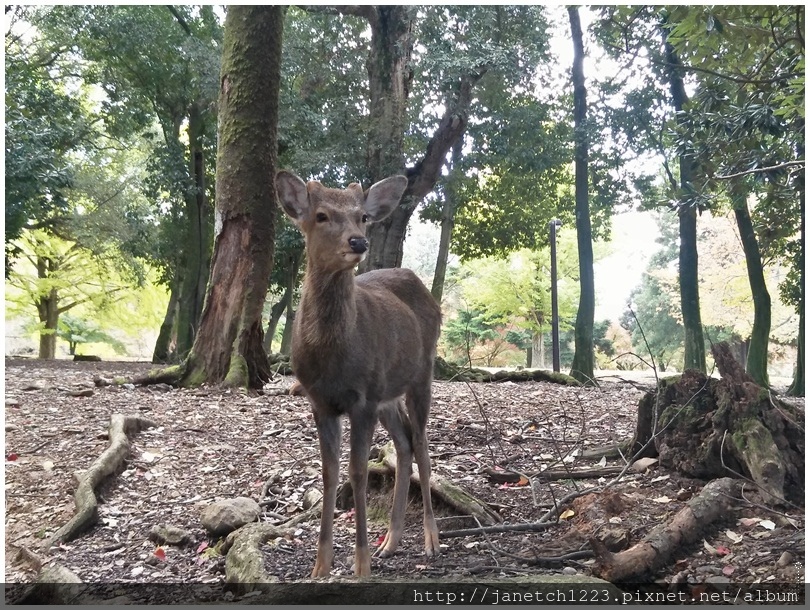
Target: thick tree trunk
point(582, 366)
point(694, 348)
point(757, 360)
point(228, 347)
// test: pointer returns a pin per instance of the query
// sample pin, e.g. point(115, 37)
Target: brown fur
point(359, 346)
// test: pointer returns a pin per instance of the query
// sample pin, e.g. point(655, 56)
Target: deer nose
point(358, 244)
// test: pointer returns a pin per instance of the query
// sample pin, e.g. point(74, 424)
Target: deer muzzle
point(358, 245)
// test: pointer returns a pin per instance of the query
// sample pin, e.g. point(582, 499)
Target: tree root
point(657, 548)
point(452, 495)
point(107, 463)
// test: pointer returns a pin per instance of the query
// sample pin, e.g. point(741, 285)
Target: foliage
point(77, 331)
point(46, 121)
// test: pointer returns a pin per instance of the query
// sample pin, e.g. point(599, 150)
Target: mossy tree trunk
point(228, 347)
point(582, 366)
point(757, 360)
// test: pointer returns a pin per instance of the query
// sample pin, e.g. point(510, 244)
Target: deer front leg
point(362, 429)
point(329, 439)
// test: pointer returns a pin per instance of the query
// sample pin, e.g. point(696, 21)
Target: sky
point(634, 233)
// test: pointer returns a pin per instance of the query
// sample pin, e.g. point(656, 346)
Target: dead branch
point(658, 547)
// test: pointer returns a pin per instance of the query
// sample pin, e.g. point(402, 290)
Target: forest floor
point(210, 444)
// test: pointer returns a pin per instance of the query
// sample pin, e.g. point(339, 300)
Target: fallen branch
point(657, 548)
point(106, 464)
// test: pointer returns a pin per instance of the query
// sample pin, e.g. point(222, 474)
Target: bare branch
point(762, 170)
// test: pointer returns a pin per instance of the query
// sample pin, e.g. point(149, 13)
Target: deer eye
point(364, 220)
point(321, 217)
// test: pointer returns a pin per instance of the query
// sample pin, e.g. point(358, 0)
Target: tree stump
point(709, 428)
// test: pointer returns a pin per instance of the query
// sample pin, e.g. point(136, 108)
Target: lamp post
point(555, 322)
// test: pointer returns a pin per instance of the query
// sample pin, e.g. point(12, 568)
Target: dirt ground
point(210, 444)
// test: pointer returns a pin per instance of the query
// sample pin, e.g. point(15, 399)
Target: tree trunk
point(797, 386)
point(276, 311)
point(286, 335)
point(582, 366)
point(757, 359)
point(198, 240)
point(163, 353)
point(694, 349)
point(538, 350)
point(48, 310)
point(389, 78)
point(286, 302)
point(448, 220)
point(228, 347)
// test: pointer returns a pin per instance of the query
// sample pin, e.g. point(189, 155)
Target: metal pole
point(555, 322)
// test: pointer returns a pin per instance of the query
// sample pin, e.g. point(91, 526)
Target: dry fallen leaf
point(767, 524)
point(662, 500)
point(734, 536)
point(567, 514)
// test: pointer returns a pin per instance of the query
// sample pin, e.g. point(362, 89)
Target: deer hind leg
point(362, 430)
point(329, 439)
point(418, 401)
point(394, 419)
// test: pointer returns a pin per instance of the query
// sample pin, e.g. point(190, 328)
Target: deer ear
point(384, 196)
point(292, 195)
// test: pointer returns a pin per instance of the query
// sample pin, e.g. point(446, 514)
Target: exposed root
point(107, 463)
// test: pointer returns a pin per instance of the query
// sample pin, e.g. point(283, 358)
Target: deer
point(363, 348)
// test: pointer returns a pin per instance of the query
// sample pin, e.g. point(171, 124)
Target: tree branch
point(762, 170)
point(179, 19)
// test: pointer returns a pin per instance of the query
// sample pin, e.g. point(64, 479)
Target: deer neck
point(328, 311)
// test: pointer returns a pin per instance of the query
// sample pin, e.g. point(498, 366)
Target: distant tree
point(78, 331)
point(582, 366)
point(53, 276)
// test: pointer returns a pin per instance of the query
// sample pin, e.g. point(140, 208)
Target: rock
point(221, 518)
point(12, 403)
point(86, 393)
point(643, 464)
point(311, 498)
point(169, 534)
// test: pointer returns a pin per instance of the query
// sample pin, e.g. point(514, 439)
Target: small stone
point(86, 393)
point(569, 571)
point(169, 534)
point(12, 403)
point(785, 559)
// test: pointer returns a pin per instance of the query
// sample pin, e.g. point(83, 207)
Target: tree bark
point(694, 348)
point(757, 360)
point(582, 366)
point(228, 348)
